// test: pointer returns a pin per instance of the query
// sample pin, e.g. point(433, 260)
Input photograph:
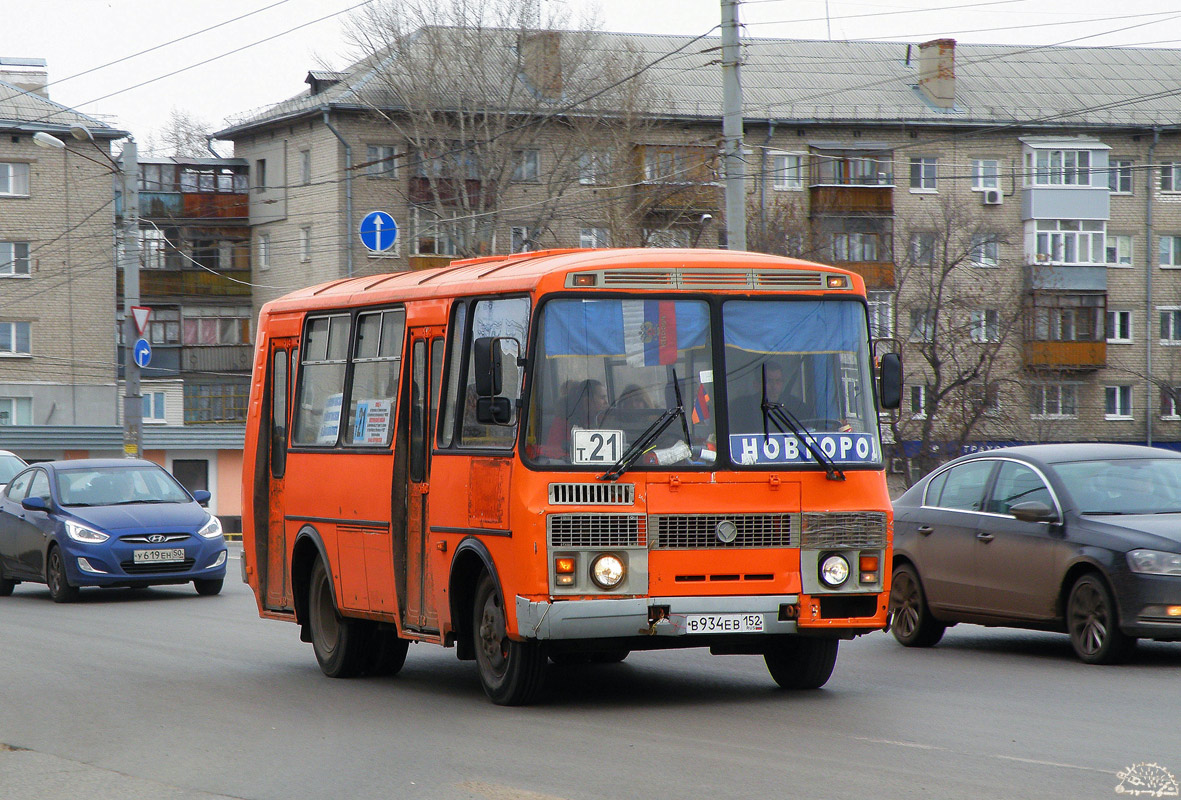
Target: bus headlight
point(834, 570)
point(607, 571)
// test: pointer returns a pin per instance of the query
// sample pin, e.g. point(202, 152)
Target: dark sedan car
point(1079, 538)
point(106, 522)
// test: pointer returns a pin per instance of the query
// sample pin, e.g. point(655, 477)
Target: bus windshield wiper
point(650, 435)
point(784, 420)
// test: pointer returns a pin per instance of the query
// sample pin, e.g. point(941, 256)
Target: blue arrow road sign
point(143, 353)
point(378, 231)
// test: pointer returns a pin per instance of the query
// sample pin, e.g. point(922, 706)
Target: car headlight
point(607, 571)
point(1154, 562)
point(834, 570)
point(211, 529)
point(81, 533)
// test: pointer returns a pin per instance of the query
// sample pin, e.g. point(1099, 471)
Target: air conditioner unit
point(992, 197)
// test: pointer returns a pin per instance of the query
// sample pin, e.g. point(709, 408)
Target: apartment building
point(1015, 211)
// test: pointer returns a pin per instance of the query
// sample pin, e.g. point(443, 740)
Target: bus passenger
point(633, 397)
point(582, 407)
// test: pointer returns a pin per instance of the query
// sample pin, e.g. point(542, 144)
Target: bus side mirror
point(492, 354)
point(494, 411)
point(890, 381)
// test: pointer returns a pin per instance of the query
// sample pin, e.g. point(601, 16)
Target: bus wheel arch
point(308, 548)
point(471, 559)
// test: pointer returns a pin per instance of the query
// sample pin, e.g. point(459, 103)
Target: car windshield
point(9, 466)
point(1124, 486)
point(108, 486)
point(796, 368)
point(609, 369)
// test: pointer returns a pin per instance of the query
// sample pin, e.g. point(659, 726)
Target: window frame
point(1119, 172)
point(1114, 326)
point(924, 174)
point(782, 179)
point(14, 328)
point(1114, 244)
point(16, 178)
point(527, 165)
point(1118, 402)
point(985, 326)
point(981, 180)
point(10, 265)
point(985, 251)
point(1039, 392)
point(382, 161)
point(1173, 254)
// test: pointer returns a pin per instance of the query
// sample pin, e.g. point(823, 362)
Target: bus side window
point(377, 356)
point(454, 364)
point(279, 413)
point(321, 381)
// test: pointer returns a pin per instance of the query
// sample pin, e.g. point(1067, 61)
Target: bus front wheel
point(798, 662)
point(341, 645)
point(510, 671)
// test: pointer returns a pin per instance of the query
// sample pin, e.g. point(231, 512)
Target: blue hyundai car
point(106, 522)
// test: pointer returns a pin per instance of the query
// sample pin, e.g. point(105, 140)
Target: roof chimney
point(27, 74)
point(541, 62)
point(937, 72)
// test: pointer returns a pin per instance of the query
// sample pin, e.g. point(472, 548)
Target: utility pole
point(133, 409)
point(732, 129)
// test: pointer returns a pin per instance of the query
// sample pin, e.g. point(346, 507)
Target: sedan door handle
point(925, 529)
point(984, 537)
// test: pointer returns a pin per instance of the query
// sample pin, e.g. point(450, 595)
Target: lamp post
point(127, 251)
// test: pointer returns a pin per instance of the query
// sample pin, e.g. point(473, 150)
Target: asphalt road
point(163, 694)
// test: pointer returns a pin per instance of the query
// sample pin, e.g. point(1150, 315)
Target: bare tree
point(184, 135)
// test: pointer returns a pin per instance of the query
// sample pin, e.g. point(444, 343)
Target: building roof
point(23, 110)
point(23, 438)
point(788, 81)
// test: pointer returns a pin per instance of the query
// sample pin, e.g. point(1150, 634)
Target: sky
point(129, 63)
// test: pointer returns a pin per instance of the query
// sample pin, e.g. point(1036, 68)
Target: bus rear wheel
point(510, 671)
point(799, 662)
point(342, 645)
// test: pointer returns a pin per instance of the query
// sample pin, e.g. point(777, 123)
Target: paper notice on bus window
point(330, 422)
point(372, 421)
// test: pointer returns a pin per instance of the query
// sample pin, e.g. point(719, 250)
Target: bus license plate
point(158, 556)
point(724, 623)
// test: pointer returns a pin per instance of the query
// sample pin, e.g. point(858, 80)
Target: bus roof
point(523, 272)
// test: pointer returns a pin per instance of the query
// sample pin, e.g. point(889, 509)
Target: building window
point(163, 326)
point(14, 258)
point(852, 169)
point(215, 402)
point(14, 179)
point(1119, 175)
point(1119, 327)
point(918, 402)
point(305, 243)
point(305, 167)
point(854, 246)
point(1118, 402)
point(1170, 326)
point(16, 411)
point(881, 314)
point(984, 396)
point(1069, 323)
point(986, 326)
point(14, 338)
point(1071, 241)
point(986, 174)
point(1055, 401)
point(1119, 250)
point(1059, 167)
point(153, 406)
point(986, 250)
point(442, 236)
point(522, 239)
point(787, 171)
point(260, 175)
point(382, 161)
point(922, 174)
point(594, 168)
point(216, 325)
point(922, 248)
point(527, 166)
point(1170, 176)
point(594, 237)
point(1168, 402)
point(1170, 251)
point(922, 325)
point(264, 251)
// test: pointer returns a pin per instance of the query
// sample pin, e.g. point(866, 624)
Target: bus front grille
point(596, 530)
point(701, 531)
point(592, 494)
point(858, 529)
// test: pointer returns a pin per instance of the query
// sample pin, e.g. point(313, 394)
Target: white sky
point(77, 36)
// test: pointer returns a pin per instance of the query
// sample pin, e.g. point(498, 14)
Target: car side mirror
point(890, 381)
point(35, 504)
point(1033, 511)
point(202, 497)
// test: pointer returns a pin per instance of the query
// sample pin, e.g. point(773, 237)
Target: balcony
point(190, 205)
point(217, 358)
point(1080, 356)
point(688, 198)
point(466, 193)
point(174, 283)
point(877, 274)
point(877, 200)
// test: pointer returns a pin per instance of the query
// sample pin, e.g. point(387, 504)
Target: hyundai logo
point(157, 538)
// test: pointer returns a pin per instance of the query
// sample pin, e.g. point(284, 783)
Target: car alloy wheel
point(1093, 623)
point(910, 618)
point(55, 576)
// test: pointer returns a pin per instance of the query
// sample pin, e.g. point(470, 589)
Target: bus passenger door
point(282, 360)
point(426, 366)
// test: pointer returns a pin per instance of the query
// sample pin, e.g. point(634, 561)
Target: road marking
point(998, 756)
point(494, 792)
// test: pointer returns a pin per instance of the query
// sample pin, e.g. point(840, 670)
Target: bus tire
point(510, 671)
point(799, 662)
point(342, 645)
point(387, 654)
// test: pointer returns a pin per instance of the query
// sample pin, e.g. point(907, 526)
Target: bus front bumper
point(651, 616)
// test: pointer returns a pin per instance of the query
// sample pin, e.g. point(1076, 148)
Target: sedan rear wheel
point(1093, 622)
point(55, 576)
point(910, 618)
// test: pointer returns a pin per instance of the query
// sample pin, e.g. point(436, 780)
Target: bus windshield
point(810, 360)
point(609, 369)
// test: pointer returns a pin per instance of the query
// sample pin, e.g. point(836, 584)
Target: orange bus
point(565, 456)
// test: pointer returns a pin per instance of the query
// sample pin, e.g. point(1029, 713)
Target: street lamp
point(128, 258)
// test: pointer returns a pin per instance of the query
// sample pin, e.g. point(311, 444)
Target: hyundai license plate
point(724, 623)
point(166, 556)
